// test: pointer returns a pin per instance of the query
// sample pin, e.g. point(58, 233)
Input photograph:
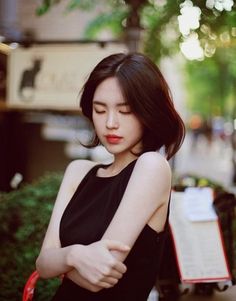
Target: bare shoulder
point(155, 169)
point(76, 171)
point(153, 163)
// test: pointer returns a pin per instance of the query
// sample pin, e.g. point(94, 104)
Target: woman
point(107, 230)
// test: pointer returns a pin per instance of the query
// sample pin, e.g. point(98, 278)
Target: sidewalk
point(228, 295)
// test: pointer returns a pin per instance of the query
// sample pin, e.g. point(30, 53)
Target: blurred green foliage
point(211, 85)
point(24, 216)
point(179, 183)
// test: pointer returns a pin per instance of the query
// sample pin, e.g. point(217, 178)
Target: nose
point(112, 121)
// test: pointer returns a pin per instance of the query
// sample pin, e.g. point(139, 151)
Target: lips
point(113, 139)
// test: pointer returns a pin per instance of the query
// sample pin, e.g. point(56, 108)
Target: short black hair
point(148, 95)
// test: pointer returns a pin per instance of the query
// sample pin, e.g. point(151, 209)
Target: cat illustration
point(27, 82)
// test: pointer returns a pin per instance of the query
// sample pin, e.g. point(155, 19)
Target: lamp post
point(133, 27)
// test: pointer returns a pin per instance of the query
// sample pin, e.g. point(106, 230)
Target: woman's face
point(117, 128)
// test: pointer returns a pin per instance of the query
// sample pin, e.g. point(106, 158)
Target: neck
point(120, 162)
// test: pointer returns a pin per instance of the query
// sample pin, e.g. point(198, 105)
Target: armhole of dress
point(167, 215)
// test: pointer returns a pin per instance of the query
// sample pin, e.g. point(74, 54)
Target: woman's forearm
point(54, 262)
point(93, 262)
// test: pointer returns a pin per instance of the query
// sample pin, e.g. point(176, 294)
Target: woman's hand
point(74, 276)
point(96, 264)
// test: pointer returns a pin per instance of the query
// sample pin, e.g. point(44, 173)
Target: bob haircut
point(148, 95)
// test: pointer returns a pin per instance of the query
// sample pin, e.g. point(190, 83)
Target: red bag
point(28, 292)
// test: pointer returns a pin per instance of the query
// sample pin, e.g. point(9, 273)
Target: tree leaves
point(45, 6)
point(111, 21)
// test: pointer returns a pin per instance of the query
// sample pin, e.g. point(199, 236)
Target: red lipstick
point(113, 139)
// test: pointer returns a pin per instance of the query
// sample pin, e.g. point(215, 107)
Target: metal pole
point(133, 26)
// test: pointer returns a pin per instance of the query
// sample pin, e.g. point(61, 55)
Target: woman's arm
point(53, 260)
point(93, 262)
point(147, 191)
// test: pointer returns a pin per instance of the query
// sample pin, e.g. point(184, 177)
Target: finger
point(110, 280)
point(115, 274)
point(120, 267)
point(112, 273)
point(92, 287)
point(116, 245)
point(114, 265)
point(104, 284)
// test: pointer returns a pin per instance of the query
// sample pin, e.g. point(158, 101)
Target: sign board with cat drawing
point(51, 76)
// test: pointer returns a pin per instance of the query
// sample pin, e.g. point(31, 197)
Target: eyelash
point(101, 112)
point(129, 112)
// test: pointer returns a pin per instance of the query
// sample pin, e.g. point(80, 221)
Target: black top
point(85, 220)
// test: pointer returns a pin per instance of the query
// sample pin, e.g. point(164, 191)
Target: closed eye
point(125, 112)
point(99, 111)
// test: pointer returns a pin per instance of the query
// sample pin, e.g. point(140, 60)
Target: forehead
point(109, 91)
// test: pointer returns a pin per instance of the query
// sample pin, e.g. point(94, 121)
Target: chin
point(114, 150)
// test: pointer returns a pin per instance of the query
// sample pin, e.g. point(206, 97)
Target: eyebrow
point(97, 102)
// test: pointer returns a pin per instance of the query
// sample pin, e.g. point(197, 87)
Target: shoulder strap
point(90, 172)
point(87, 175)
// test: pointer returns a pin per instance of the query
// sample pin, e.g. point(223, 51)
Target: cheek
point(137, 127)
point(97, 123)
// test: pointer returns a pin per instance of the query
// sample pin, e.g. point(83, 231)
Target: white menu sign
point(198, 244)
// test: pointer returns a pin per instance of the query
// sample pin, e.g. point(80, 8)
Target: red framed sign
point(199, 246)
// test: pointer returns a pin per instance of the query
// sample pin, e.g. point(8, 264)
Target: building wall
point(55, 24)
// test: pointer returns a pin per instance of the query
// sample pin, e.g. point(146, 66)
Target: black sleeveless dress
point(85, 220)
